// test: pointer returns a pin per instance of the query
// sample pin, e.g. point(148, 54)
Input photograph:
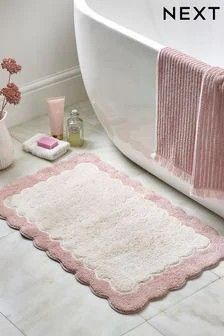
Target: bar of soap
point(47, 142)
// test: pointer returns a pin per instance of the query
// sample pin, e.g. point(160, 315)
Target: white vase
point(6, 145)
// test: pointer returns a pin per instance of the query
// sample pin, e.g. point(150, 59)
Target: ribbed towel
point(190, 121)
point(208, 171)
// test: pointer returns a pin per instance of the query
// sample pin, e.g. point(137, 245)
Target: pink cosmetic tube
point(56, 116)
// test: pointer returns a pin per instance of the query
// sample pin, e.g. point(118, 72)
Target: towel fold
point(190, 121)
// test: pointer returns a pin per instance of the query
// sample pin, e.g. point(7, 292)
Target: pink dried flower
point(10, 65)
point(11, 93)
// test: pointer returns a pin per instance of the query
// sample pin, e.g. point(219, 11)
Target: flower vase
point(6, 145)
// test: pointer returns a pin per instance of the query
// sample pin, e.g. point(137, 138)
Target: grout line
point(162, 334)
point(156, 314)
point(178, 302)
point(14, 325)
point(5, 236)
point(15, 138)
point(126, 332)
point(220, 276)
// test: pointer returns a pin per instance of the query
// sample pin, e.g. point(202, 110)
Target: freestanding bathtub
point(118, 55)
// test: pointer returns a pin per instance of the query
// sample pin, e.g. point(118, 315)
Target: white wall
point(39, 34)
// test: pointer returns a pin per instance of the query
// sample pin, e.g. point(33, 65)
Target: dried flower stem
point(4, 103)
point(4, 100)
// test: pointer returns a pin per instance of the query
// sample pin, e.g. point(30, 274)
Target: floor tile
point(4, 229)
point(200, 314)
point(16, 267)
point(219, 270)
point(87, 113)
point(37, 125)
point(116, 159)
point(63, 312)
point(27, 165)
point(24, 164)
point(95, 139)
point(7, 328)
point(41, 298)
point(143, 330)
point(176, 296)
point(18, 152)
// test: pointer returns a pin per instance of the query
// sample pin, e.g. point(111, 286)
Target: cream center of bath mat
point(128, 244)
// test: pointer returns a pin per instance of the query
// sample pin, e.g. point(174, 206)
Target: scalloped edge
point(173, 278)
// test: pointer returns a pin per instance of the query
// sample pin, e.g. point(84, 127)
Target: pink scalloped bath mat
point(128, 244)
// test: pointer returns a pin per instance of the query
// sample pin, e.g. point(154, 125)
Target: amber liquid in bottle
point(75, 129)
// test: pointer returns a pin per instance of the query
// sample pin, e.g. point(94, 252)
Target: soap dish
point(31, 146)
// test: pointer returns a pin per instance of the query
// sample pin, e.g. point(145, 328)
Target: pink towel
point(190, 121)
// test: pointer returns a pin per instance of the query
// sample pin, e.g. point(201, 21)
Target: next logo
point(190, 13)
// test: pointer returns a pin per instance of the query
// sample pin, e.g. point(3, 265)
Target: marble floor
point(38, 298)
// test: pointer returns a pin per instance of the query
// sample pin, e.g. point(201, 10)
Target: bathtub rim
point(84, 8)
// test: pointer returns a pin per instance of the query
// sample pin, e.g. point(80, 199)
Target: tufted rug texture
point(128, 244)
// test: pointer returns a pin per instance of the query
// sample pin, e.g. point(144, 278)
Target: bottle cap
point(74, 113)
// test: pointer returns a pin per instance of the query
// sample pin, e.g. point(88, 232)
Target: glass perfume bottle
point(75, 129)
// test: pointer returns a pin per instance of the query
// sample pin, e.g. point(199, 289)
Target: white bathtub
point(117, 48)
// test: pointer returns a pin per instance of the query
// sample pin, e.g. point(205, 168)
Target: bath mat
point(128, 244)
